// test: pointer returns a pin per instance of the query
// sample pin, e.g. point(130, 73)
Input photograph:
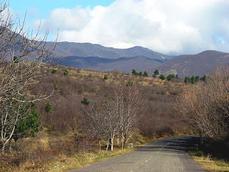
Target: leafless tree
point(116, 115)
point(128, 99)
point(206, 105)
point(104, 121)
point(20, 67)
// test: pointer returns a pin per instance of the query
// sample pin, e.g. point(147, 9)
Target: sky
point(166, 26)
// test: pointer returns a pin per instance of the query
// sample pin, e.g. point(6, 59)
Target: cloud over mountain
point(178, 26)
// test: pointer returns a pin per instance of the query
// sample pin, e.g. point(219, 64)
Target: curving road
point(167, 155)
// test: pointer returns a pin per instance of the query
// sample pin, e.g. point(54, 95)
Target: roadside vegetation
point(55, 118)
point(206, 108)
point(64, 129)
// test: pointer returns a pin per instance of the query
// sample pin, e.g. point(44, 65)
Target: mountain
point(198, 64)
point(70, 49)
point(98, 57)
point(103, 64)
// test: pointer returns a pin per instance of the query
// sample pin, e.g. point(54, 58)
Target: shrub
point(53, 71)
point(145, 74)
point(66, 72)
point(156, 72)
point(134, 72)
point(187, 80)
point(48, 108)
point(203, 78)
point(29, 125)
point(170, 77)
point(105, 77)
point(85, 101)
point(206, 105)
point(162, 77)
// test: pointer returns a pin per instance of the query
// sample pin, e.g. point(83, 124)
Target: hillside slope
point(103, 64)
point(199, 64)
point(69, 49)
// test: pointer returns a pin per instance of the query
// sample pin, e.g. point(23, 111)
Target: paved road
point(168, 155)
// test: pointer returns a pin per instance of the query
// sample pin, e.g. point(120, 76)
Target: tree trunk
point(123, 144)
point(100, 146)
point(3, 147)
point(108, 143)
point(124, 141)
point(112, 144)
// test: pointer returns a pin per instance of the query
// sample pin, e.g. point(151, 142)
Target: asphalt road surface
point(168, 155)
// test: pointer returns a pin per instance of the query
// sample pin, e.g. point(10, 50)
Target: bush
point(85, 101)
point(134, 72)
point(156, 73)
point(162, 77)
point(66, 72)
point(29, 125)
point(145, 74)
point(48, 108)
point(53, 71)
point(170, 77)
point(203, 78)
point(194, 79)
point(207, 105)
point(105, 77)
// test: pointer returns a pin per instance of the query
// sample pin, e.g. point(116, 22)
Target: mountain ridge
point(98, 57)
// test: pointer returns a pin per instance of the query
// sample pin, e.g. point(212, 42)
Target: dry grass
point(82, 160)
point(63, 162)
point(53, 152)
point(212, 165)
point(55, 149)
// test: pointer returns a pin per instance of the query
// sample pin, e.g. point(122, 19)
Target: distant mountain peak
point(215, 52)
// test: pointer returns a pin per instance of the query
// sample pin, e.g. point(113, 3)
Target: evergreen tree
point(145, 74)
point(156, 72)
point(187, 80)
point(162, 77)
point(29, 125)
point(85, 101)
point(134, 72)
point(48, 108)
point(66, 72)
point(204, 78)
point(170, 77)
point(197, 79)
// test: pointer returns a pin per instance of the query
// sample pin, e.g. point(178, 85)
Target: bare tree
point(104, 122)
point(128, 98)
point(115, 116)
point(206, 105)
point(20, 67)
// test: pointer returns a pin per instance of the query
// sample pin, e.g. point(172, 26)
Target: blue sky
point(41, 8)
point(45, 6)
point(167, 26)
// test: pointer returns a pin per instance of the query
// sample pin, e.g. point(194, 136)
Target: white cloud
point(167, 26)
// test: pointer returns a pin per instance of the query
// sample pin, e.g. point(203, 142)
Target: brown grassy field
point(55, 144)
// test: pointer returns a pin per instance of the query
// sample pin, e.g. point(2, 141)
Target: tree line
point(156, 74)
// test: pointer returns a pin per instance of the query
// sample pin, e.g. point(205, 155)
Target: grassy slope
point(82, 159)
point(47, 152)
point(213, 156)
point(212, 165)
point(63, 163)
